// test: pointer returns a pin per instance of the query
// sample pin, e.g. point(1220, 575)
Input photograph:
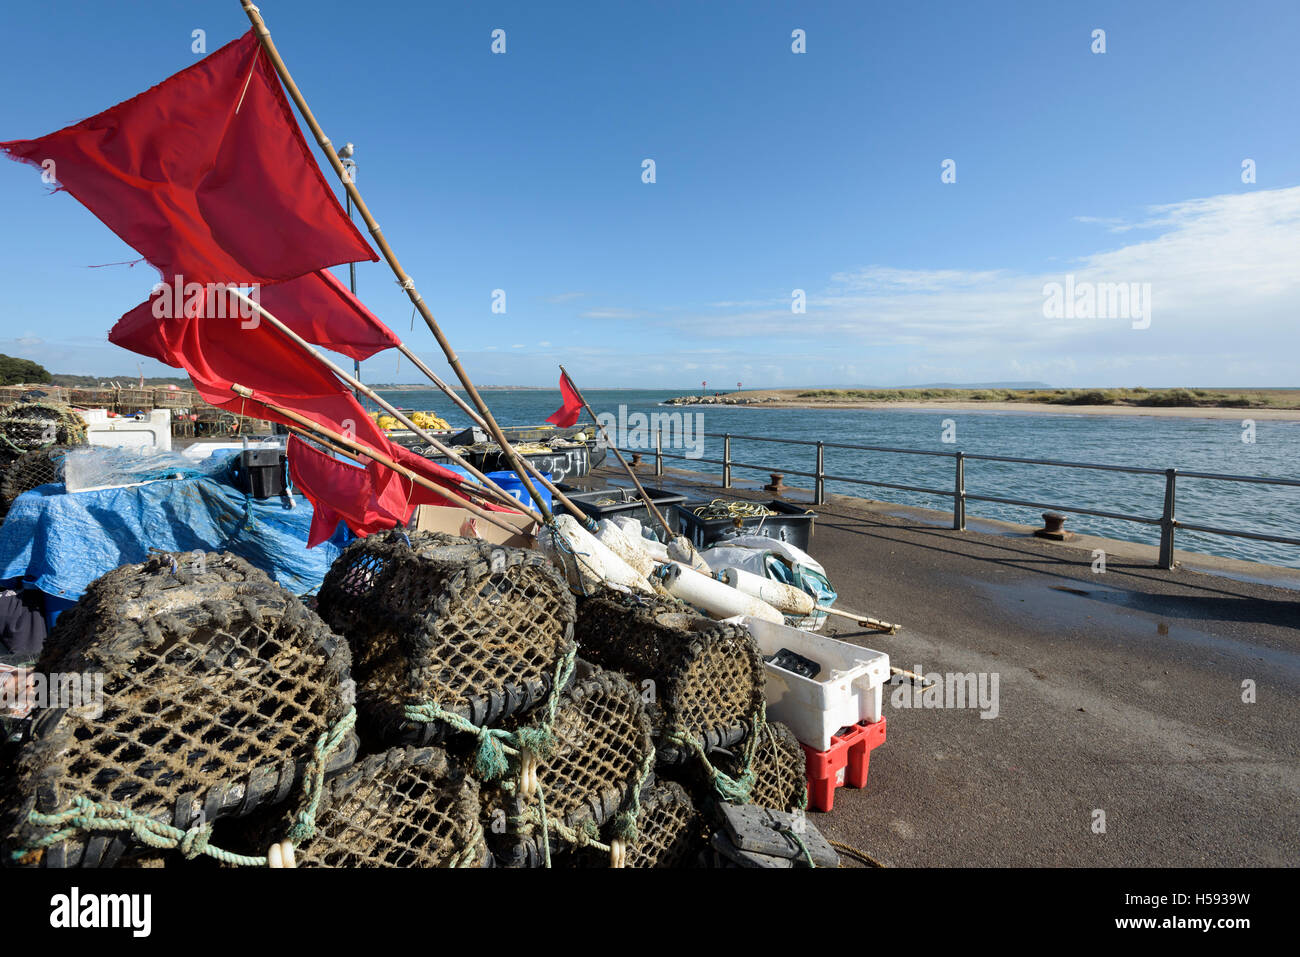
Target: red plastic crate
point(845, 763)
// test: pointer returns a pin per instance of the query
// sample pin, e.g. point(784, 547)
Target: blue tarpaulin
point(59, 542)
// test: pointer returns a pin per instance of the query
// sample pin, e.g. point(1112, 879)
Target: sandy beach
point(787, 399)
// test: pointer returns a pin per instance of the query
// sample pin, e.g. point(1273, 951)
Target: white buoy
point(655, 549)
point(625, 547)
point(681, 550)
point(779, 595)
point(714, 598)
point(586, 561)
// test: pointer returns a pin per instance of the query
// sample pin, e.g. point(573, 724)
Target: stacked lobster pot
point(579, 778)
point(403, 807)
point(703, 681)
point(471, 645)
point(182, 692)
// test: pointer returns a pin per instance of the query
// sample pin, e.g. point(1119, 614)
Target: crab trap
point(670, 832)
point(406, 807)
point(446, 632)
point(705, 677)
point(28, 426)
point(777, 769)
point(575, 781)
point(189, 688)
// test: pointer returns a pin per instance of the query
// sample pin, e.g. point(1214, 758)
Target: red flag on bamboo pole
point(567, 414)
point(206, 174)
point(218, 348)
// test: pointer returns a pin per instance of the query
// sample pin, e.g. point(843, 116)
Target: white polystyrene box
point(848, 689)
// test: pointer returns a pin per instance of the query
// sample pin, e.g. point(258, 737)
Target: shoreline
point(1033, 408)
point(1081, 543)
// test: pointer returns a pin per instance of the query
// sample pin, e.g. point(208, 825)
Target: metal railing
point(1167, 520)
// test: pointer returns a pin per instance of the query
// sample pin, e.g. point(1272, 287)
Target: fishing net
point(779, 769)
point(28, 471)
point(219, 692)
point(406, 807)
point(589, 772)
point(26, 426)
point(705, 677)
point(670, 832)
point(446, 631)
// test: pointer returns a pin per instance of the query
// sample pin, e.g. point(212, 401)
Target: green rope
point(496, 746)
point(790, 833)
point(85, 815)
point(314, 776)
point(733, 790)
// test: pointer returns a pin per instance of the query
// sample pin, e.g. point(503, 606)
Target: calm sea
point(1201, 445)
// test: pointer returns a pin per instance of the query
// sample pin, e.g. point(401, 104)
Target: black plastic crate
point(793, 524)
point(261, 473)
point(626, 503)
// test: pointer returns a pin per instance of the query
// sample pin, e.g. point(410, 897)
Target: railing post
point(659, 453)
point(819, 494)
point(726, 460)
point(1167, 522)
point(959, 494)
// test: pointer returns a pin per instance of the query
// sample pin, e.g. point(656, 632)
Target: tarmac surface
point(1122, 736)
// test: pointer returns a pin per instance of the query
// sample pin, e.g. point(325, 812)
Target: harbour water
point(1191, 444)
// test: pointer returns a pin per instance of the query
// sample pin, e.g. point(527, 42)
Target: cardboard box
point(451, 518)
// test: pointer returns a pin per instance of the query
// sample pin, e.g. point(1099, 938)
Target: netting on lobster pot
point(28, 426)
point(778, 770)
point(574, 780)
point(28, 471)
point(706, 677)
point(670, 832)
point(447, 632)
point(405, 807)
point(189, 688)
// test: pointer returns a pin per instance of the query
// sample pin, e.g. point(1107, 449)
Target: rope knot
point(195, 841)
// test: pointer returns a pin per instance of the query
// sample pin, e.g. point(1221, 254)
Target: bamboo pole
point(403, 280)
point(475, 418)
point(654, 510)
point(358, 449)
point(486, 485)
point(873, 623)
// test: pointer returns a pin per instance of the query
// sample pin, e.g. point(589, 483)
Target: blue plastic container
point(54, 607)
point(509, 482)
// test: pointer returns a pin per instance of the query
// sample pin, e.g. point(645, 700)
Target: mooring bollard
point(1054, 528)
point(776, 486)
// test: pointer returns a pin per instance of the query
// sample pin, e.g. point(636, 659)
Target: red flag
point(316, 306)
point(207, 175)
point(567, 414)
point(338, 491)
point(217, 352)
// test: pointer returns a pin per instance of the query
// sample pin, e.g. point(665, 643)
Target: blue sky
point(775, 171)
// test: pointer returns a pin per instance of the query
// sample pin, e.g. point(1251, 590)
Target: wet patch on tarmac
point(1155, 621)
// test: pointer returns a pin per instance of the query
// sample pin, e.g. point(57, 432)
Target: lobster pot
point(28, 471)
point(601, 757)
point(93, 398)
point(670, 832)
point(475, 629)
point(707, 676)
point(173, 398)
point(780, 769)
point(405, 807)
point(28, 426)
point(131, 401)
point(191, 688)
